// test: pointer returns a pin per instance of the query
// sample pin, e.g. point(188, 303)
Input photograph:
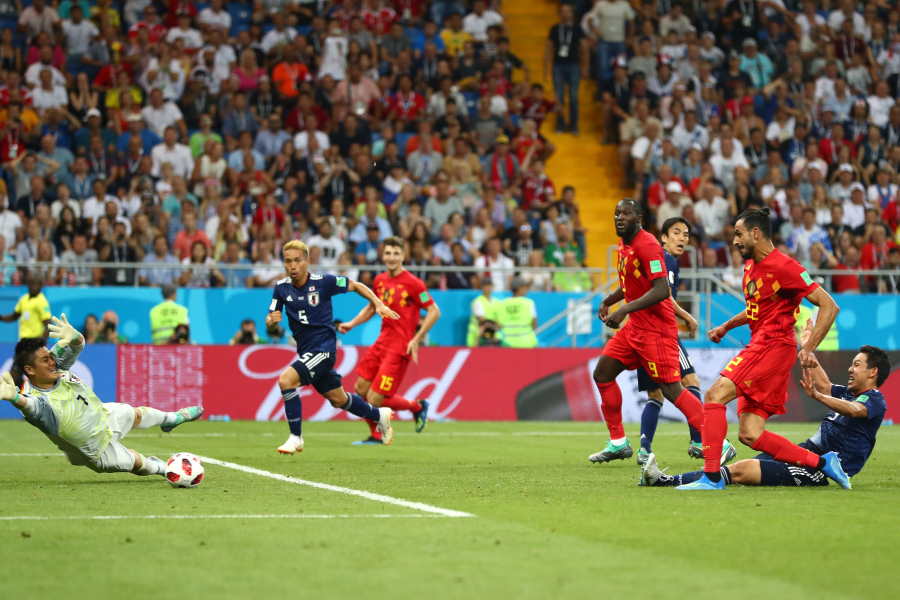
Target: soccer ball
point(184, 470)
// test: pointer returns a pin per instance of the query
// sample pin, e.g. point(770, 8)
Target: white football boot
point(293, 445)
point(384, 425)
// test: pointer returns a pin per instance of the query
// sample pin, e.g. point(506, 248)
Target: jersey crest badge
point(313, 298)
point(751, 288)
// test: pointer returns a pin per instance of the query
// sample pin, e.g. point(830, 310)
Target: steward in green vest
point(517, 317)
point(805, 313)
point(165, 316)
point(483, 308)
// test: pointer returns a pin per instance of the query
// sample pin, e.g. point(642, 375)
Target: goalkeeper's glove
point(8, 390)
point(60, 328)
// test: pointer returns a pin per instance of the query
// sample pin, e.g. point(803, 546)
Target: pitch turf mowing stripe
point(427, 508)
point(195, 517)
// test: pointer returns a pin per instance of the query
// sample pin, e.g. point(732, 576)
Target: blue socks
point(359, 407)
point(293, 410)
point(649, 419)
point(693, 476)
point(695, 435)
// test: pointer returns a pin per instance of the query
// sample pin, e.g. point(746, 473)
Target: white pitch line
point(192, 517)
point(420, 506)
point(31, 454)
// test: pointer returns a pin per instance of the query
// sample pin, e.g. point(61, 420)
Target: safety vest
point(164, 317)
point(515, 316)
point(485, 306)
point(830, 342)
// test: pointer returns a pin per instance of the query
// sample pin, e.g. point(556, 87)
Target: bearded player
point(69, 413)
point(650, 337)
point(384, 364)
point(774, 285)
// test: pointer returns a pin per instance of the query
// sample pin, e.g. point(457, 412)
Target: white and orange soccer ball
point(184, 470)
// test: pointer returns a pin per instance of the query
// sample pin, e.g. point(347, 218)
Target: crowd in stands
point(211, 133)
point(721, 105)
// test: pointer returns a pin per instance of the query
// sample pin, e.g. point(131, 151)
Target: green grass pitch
point(546, 524)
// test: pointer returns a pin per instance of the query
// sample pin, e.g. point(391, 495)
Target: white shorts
point(115, 458)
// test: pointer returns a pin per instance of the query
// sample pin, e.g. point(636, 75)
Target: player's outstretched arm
point(367, 312)
point(717, 333)
point(70, 343)
point(819, 376)
point(657, 293)
point(9, 392)
point(828, 311)
point(380, 308)
point(854, 410)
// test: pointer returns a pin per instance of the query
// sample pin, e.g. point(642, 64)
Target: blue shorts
point(317, 369)
point(777, 473)
point(646, 384)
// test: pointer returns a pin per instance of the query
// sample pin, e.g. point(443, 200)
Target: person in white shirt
point(855, 207)
point(45, 61)
point(725, 163)
point(48, 94)
point(184, 32)
point(334, 54)
point(10, 222)
point(493, 259)
point(847, 11)
point(713, 211)
point(477, 22)
point(170, 151)
point(331, 246)
point(95, 206)
point(278, 35)
point(841, 189)
point(689, 132)
point(880, 105)
point(882, 191)
point(78, 33)
point(215, 16)
point(64, 200)
point(675, 202)
point(302, 139)
point(160, 114)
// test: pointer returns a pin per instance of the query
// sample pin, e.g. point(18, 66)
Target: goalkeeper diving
point(67, 411)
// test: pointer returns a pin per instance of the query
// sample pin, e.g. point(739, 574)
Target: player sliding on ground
point(67, 411)
point(849, 431)
point(650, 337)
point(774, 285)
point(307, 299)
point(675, 235)
point(385, 363)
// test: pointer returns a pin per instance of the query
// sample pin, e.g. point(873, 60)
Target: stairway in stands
point(581, 161)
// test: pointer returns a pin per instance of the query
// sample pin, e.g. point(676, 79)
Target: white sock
point(151, 417)
point(152, 466)
point(618, 441)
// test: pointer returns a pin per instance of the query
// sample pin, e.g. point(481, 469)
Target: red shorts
point(657, 354)
point(761, 374)
point(384, 367)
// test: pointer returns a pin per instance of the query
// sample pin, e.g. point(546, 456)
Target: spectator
point(78, 254)
point(566, 52)
point(155, 276)
point(499, 266)
point(567, 281)
point(802, 238)
point(554, 253)
point(442, 203)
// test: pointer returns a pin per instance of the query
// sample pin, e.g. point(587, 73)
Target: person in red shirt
point(378, 17)
point(536, 106)
point(383, 366)
point(875, 252)
point(648, 340)
point(406, 105)
point(187, 236)
point(774, 286)
point(538, 191)
point(268, 212)
point(658, 193)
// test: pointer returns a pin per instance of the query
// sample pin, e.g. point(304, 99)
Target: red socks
point(611, 405)
point(401, 403)
point(373, 429)
point(691, 407)
point(784, 450)
point(715, 428)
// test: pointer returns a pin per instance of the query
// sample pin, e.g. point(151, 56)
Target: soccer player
point(849, 431)
point(384, 364)
point(774, 285)
point(649, 339)
point(675, 235)
point(68, 412)
point(307, 299)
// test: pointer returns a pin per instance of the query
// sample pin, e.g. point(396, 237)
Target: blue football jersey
point(673, 269)
point(852, 438)
point(308, 309)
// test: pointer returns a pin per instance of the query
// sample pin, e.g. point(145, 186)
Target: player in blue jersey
point(306, 297)
point(675, 235)
point(849, 431)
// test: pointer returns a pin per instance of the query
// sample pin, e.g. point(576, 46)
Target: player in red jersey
point(650, 337)
point(384, 364)
point(774, 285)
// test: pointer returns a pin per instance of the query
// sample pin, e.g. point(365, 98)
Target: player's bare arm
point(381, 308)
point(615, 297)
point(828, 311)
point(819, 376)
point(432, 314)
point(367, 312)
point(717, 333)
point(659, 292)
point(854, 410)
point(685, 316)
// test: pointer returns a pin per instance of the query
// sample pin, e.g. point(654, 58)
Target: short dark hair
point(876, 358)
point(757, 218)
point(668, 223)
point(394, 241)
point(635, 205)
point(24, 356)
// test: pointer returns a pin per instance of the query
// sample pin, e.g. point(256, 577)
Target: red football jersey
point(406, 295)
point(640, 262)
point(774, 288)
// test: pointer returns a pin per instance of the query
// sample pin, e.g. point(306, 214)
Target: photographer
point(181, 335)
point(107, 331)
point(246, 335)
point(489, 333)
